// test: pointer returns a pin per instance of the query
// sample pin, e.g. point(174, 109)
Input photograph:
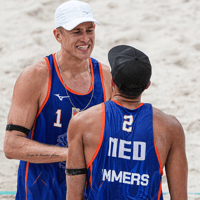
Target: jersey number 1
point(58, 118)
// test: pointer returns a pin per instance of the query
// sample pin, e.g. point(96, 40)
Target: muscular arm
point(29, 93)
point(84, 132)
point(176, 164)
point(170, 141)
point(75, 160)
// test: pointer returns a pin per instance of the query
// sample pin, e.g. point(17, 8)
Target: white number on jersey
point(127, 124)
point(58, 124)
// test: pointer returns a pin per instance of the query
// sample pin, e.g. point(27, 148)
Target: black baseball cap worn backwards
point(130, 69)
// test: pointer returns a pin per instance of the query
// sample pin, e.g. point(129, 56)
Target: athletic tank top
point(126, 164)
point(47, 181)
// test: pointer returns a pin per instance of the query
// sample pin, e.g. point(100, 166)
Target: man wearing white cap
point(46, 96)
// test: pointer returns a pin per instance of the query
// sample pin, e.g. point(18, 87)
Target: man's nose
point(85, 37)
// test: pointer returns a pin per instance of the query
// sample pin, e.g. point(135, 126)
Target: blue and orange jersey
point(48, 181)
point(126, 164)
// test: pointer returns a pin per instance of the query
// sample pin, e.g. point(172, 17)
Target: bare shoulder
point(87, 119)
point(106, 71)
point(86, 128)
point(168, 134)
point(85, 122)
point(107, 80)
point(169, 122)
point(36, 72)
point(34, 79)
point(168, 130)
point(105, 68)
point(29, 93)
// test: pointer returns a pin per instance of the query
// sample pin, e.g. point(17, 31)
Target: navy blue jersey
point(47, 181)
point(126, 164)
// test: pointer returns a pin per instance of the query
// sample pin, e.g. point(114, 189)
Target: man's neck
point(127, 103)
point(76, 76)
point(71, 64)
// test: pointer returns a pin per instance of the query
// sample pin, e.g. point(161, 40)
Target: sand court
point(167, 31)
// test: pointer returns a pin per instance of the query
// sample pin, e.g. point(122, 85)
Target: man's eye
point(76, 32)
point(90, 30)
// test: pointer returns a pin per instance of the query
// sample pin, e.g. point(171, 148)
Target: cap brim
point(114, 52)
point(73, 23)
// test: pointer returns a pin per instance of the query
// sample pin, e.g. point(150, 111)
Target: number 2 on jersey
point(127, 124)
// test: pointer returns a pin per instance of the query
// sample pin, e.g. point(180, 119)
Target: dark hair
point(131, 91)
point(128, 96)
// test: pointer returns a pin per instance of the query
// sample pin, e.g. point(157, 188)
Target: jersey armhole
point(46, 99)
point(102, 81)
point(156, 149)
point(49, 87)
point(159, 160)
point(100, 142)
point(101, 137)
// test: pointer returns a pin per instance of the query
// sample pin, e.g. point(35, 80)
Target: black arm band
point(76, 171)
point(12, 127)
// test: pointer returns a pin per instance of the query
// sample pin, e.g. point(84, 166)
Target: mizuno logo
point(61, 97)
point(86, 12)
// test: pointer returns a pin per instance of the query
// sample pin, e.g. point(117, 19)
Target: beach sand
point(167, 31)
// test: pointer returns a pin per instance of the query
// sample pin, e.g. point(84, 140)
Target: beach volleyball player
point(46, 96)
point(119, 148)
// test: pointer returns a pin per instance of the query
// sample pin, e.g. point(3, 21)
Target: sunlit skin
point(73, 57)
point(78, 43)
point(84, 136)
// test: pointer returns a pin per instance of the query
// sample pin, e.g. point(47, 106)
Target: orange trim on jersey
point(160, 191)
point(102, 81)
point(33, 128)
point(49, 88)
point(47, 97)
point(37, 178)
point(72, 91)
point(102, 183)
point(141, 104)
point(100, 142)
point(91, 176)
point(26, 176)
point(43, 182)
point(30, 192)
point(159, 160)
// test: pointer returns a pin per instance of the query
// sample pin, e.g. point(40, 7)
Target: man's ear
point(148, 85)
point(57, 35)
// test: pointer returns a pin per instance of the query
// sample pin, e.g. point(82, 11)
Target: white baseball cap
point(72, 13)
